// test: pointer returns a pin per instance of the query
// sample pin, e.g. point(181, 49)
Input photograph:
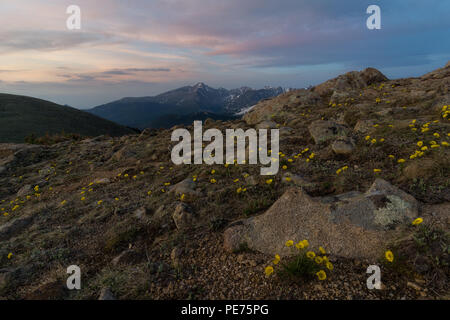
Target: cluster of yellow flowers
point(445, 112)
point(240, 190)
point(16, 204)
point(344, 168)
point(319, 258)
point(374, 140)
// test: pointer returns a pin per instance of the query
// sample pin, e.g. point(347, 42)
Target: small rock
point(323, 131)
point(364, 126)
point(343, 146)
point(175, 256)
point(186, 187)
point(5, 278)
point(299, 181)
point(106, 294)
point(266, 124)
point(233, 238)
point(182, 216)
point(126, 257)
point(26, 189)
point(140, 213)
point(414, 286)
point(102, 181)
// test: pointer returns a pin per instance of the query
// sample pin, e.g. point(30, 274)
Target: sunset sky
point(145, 47)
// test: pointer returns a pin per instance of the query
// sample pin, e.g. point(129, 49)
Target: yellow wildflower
point(321, 275)
point(269, 270)
point(305, 243)
point(311, 254)
point(300, 245)
point(389, 256)
point(277, 259)
point(289, 243)
point(329, 266)
point(417, 221)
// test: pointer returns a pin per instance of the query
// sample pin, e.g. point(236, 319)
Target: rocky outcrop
point(11, 154)
point(350, 80)
point(353, 225)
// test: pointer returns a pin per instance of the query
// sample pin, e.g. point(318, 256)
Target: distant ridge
point(22, 116)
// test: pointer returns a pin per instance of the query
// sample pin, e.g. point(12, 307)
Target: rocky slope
point(362, 157)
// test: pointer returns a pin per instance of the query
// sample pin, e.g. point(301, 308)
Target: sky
point(145, 47)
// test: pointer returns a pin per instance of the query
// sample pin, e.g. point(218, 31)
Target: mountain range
point(181, 105)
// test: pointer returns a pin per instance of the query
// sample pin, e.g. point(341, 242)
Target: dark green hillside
point(21, 116)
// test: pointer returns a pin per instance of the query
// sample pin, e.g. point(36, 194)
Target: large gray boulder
point(353, 225)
